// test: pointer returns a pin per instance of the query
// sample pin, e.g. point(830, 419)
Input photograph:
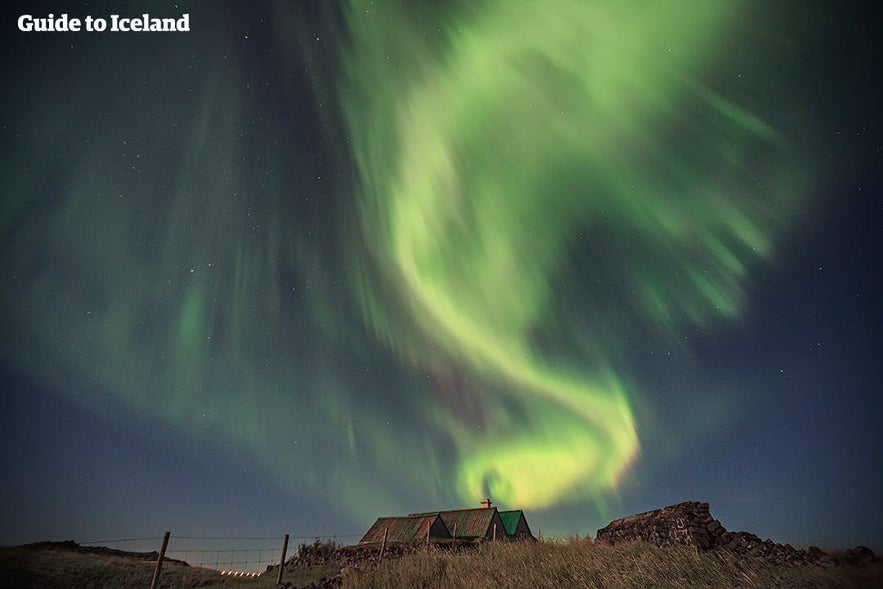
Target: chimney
point(486, 503)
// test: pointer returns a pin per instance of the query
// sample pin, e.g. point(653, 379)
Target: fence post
point(427, 536)
point(495, 534)
point(455, 536)
point(282, 560)
point(383, 544)
point(541, 534)
point(162, 553)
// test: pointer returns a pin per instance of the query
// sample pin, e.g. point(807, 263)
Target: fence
point(238, 556)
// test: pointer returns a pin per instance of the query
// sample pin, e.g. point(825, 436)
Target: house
point(484, 523)
point(516, 524)
point(472, 524)
point(411, 528)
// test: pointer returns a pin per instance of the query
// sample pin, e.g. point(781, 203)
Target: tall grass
point(22, 568)
point(583, 564)
point(564, 564)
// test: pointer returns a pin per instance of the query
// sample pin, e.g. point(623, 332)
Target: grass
point(572, 563)
point(59, 567)
point(583, 564)
point(22, 568)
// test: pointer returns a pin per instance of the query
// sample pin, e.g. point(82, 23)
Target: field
point(568, 563)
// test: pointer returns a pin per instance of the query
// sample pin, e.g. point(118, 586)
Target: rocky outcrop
point(860, 555)
point(687, 524)
point(691, 524)
point(747, 544)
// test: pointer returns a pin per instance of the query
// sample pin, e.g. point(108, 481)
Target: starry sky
point(312, 263)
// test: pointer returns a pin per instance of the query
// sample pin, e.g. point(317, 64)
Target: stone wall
point(339, 561)
point(688, 524)
point(691, 524)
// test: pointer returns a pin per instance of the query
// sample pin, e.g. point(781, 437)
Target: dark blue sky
point(186, 343)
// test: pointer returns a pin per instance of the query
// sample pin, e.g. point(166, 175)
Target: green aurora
point(486, 155)
point(533, 184)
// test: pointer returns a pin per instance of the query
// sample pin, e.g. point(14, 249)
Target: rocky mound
point(688, 524)
point(691, 524)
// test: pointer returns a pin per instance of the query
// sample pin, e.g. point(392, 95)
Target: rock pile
point(691, 524)
point(688, 524)
point(747, 544)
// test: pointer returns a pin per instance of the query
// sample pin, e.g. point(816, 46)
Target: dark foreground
point(569, 563)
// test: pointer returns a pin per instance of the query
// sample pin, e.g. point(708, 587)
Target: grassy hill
point(584, 564)
point(572, 563)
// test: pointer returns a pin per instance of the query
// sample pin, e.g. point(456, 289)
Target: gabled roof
point(516, 524)
point(406, 529)
point(510, 519)
point(469, 523)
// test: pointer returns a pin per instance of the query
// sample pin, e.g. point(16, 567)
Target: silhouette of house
point(471, 524)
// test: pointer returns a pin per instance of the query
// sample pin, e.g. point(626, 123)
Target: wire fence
point(233, 556)
point(230, 555)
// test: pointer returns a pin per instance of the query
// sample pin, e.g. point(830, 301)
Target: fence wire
point(120, 540)
point(229, 555)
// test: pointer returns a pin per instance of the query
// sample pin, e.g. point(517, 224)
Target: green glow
point(535, 186)
point(486, 151)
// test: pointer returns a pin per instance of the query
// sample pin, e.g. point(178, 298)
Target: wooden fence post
point(282, 560)
point(455, 535)
point(541, 534)
point(383, 544)
point(427, 536)
point(495, 534)
point(162, 553)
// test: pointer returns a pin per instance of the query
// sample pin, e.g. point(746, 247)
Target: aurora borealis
point(478, 187)
point(364, 255)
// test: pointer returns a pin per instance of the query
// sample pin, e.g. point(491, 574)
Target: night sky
point(311, 263)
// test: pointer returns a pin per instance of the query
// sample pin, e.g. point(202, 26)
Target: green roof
point(468, 523)
point(510, 519)
point(406, 529)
